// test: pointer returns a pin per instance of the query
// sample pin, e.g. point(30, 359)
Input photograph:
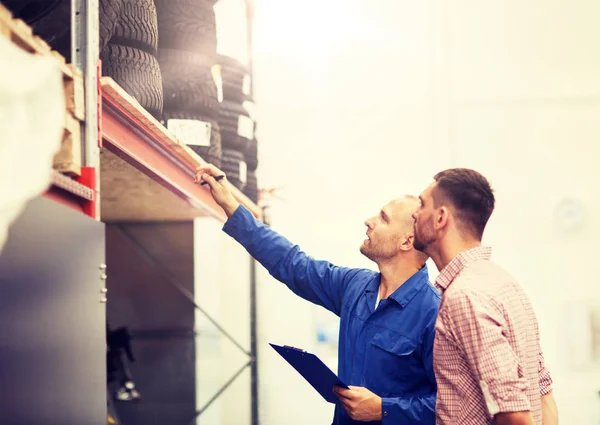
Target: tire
point(51, 20)
point(137, 26)
point(137, 72)
point(251, 155)
point(230, 164)
point(251, 189)
point(188, 84)
point(187, 25)
point(212, 153)
point(229, 116)
point(110, 11)
point(233, 74)
point(230, 112)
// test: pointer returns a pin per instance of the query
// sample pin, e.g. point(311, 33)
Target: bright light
point(309, 28)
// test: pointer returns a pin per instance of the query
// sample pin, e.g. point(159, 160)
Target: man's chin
point(420, 246)
point(365, 251)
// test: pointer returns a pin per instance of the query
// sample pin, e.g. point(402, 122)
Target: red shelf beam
point(126, 136)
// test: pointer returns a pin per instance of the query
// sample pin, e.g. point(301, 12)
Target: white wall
point(359, 102)
point(221, 290)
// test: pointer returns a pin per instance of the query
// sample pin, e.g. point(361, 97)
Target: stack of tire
point(164, 54)
point(237, 127)
point(129, 57)
point(187, 52)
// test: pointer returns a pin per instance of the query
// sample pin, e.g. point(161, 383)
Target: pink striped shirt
point(487, 356)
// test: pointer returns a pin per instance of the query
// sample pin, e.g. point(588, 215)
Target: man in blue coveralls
point(387, 319)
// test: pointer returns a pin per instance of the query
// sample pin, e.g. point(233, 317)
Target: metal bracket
point(88, 178)
point(218, 393)
point(179, 286)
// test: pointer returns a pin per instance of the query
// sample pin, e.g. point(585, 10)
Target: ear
point(407, 242)
point(442, 218)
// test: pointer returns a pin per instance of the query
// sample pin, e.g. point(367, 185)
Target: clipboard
point(318, 375)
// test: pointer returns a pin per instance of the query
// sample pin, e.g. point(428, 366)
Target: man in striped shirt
point(488, 361)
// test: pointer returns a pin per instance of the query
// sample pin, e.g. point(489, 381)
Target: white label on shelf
point(215, 70)
point(190, 132)
point(246, 127)
point(246, 85)
point(243, 172)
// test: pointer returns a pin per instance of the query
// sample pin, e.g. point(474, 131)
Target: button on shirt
point(387, 350)
point(487, 354)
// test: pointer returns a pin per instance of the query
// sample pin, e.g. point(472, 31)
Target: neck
point(448, 250)
point(394, 273)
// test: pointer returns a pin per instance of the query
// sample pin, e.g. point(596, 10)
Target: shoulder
point(428, 303)
point(360, 274)
point(473, 297)
point(431, 293)
point(482, 280)
point(359, 278)
point(483, 271)
point(427, 292)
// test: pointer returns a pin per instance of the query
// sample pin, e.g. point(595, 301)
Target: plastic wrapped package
point(32, 114)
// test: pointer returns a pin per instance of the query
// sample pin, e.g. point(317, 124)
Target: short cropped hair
point(469, 193)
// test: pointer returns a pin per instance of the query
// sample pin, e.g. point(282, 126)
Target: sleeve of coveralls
point(409, 410)
point(319, 282)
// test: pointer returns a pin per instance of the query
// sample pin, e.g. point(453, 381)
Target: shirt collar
point(407, 291)
point(458, 263)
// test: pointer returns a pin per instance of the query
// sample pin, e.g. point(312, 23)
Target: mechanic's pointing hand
point(219, 191)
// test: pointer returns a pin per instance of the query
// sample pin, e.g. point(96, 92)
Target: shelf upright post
point(85, 54)
point(254, 392)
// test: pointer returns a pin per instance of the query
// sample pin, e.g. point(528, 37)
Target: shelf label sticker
point(245, 127)
point(215, 71)
point(190, 132)
point(246, 84)
point(243, 172)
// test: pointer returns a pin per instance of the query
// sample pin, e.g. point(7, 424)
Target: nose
point(368, 222)
point(414, 214)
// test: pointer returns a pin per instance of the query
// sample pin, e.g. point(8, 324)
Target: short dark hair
point(469, 193)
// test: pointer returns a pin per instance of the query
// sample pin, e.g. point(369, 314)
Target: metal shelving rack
point(110, 125)
point(135, 141)
point(140, 141)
